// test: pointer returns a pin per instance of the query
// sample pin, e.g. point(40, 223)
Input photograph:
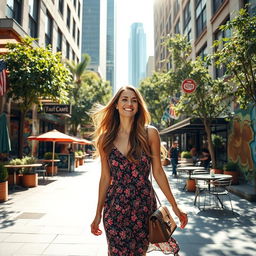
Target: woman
point(128, 147)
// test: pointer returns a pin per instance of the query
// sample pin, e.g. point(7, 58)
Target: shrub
point(231, 167)
point(186, 154)
point(3, 173)
point(48, 156)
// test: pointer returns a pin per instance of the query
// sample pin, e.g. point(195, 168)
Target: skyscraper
point(98, 37)
point(137, 54)
point(110, 69)
point(94, 34)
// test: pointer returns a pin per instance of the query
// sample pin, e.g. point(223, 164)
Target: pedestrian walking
point(174, 155)
point(128, 147)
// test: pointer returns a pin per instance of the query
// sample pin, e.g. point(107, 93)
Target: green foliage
point(48, 156)
point(29, 160)
point(3, 173)
point(156, 91)
point(231, 166)
point(238, 55)
point(88, 89)
point(217, 141)
point(80, 153)
point(35, 72)
point(186, 154)
point(16, 161)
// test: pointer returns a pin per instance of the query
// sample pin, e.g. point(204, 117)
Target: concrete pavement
point(54, 219)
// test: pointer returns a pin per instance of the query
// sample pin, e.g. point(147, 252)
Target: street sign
point(188, 86)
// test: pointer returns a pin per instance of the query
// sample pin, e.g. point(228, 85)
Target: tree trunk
point(21, 136)
point(207, 126)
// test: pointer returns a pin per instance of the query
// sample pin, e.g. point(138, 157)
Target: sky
point(128, 12)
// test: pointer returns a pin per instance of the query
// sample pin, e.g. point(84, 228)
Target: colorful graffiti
point(242, 139)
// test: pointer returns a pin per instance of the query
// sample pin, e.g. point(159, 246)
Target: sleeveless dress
point(128, 205)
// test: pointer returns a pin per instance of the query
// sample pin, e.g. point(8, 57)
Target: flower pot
point(81, 161)
point(30, 180)
point(3, 191)
point(77, 163)
point(191, 185)
point(217, 171)
point(50, 171)
point(234, 176)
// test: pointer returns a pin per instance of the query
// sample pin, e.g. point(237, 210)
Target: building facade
point(111, 45)
point(137, 54)
point(51, 22)
point(199, 20)
point(94, 34)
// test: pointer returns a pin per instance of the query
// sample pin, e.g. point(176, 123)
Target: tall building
point(98, 37)
point(111, 18)
point(94, 34)
point(199, 20)
point(52, 22)
point(137, 54)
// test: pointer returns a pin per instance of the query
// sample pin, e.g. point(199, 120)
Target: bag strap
point(151, 179)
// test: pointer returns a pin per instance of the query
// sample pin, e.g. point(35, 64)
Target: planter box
point(3, 191)
point(30, 180)
point(217, 171)
point(191, 185)
point(51, 171)
point(234, 176)
point(81, 161)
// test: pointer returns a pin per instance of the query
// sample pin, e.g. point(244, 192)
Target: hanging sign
point(188, 86)
point(57, 108)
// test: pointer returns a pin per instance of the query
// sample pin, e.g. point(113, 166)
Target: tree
point(211, 98)
point(155, 91)
point(34, 73)
point(88, 89)
point(238, 56)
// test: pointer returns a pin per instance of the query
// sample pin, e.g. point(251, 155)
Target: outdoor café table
point(209, 178)
point(190, 170)
point(16, 167)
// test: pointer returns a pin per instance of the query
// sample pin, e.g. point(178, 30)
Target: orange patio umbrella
point(54, 136)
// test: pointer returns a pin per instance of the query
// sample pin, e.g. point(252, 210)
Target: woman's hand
point(182, 217)
point(95, 226)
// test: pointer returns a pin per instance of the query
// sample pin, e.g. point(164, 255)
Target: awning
point(192, 125)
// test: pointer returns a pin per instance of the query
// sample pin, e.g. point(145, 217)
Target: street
point(54, 219)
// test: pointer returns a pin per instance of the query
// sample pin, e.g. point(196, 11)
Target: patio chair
point(41, 171)
point(219, 191)
point(201, 186)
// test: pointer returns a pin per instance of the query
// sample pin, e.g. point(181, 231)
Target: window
point(61, 6)
point(73, 55)
point(187, 21)
point(200, 16)
point(68, 17)
point(59, 41)
point(216, 5)
point(79, 9)
point(13, 9)
point(252, 6)
point(220, 71)
point(78, 38)
point(33, 18)
point(74, 29)
point(176, 7)
point(177, 27)
point(74, 2)
point(67, 50)
point(48, 29)
point(202, 52)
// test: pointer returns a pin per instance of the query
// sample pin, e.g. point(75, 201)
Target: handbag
point(161, 223)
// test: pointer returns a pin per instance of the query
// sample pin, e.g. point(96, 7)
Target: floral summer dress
point(128, 205)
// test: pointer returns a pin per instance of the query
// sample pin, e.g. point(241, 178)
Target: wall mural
point(242, 138)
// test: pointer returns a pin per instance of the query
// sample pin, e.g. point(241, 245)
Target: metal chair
point(220, 190)
point(201, 186)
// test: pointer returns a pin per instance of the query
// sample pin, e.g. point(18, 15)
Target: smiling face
point(127, 104)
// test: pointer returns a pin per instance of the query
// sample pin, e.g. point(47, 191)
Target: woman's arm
point(159, 174)
point(103, 186)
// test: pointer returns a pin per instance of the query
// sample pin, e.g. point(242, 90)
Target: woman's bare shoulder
point(152, 132)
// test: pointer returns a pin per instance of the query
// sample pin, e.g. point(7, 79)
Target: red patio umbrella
point(54, 136)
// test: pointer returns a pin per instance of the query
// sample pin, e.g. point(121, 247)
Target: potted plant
point(29, 178)
point(81, 157)
point(77, 159)
point(233, 169)
point(51, 171)
point(18, 173)
point(3, 183)
point(218, 169)
point(186, 156)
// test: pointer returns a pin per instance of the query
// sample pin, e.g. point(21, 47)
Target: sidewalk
point(54, 219)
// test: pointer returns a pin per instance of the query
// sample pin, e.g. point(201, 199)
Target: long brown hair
point(106, 121)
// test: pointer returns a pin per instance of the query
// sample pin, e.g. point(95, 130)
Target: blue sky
point(128, 12)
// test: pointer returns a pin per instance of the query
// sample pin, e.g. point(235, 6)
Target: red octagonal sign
point(188, 86)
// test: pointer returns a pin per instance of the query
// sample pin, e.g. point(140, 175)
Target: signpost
point(188, 86)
